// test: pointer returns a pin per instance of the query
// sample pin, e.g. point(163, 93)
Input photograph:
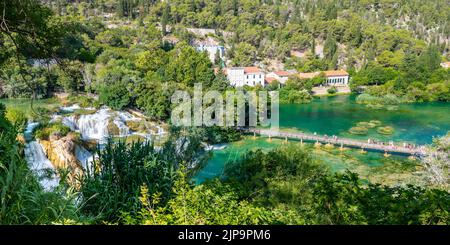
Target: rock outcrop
point(61, 153)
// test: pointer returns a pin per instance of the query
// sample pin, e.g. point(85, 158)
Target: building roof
point(270, 79)
point(282, 73)
point(247, 70)
point(308, 75)
point(335, 73)
point(332, 73)
point(252, 69)
point(209, 41)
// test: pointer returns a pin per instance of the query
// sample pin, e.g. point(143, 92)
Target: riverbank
point(323, 90)
point(24, 105)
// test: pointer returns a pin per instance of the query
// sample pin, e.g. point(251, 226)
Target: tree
point(313, 45)
point(154, 97)
point(244, 55)
point(330, 47)
point(114, 95)
point(429, 60)
point(217, 59)
point(70, 77)
point(165, 18)
point(187, 66)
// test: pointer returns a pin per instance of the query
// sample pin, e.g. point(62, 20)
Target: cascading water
point(102, 124)
point(97, 125)
point(37, 161)
point(84, 156)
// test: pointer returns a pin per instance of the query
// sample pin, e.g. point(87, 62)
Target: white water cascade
point(38, 162)
point(215, 147)
point(84, 157)
point(95, 126)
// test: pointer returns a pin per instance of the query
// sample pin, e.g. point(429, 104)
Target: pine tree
point(120, 10)
point(165, 19)
point(235, 7)
point(330, 47)
point(313, 46)
point(217, 59)
point(334, 61)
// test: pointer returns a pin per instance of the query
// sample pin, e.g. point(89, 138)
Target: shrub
point(367, 99)
point(44, 132)
point(291, 96)
point(41, 115)
point(82, 101)
point(115, 96)
point(390, 99)
point(332, 90)
point(114, 179)
point(17, 118)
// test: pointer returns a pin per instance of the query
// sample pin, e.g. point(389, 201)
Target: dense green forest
point(118, 50)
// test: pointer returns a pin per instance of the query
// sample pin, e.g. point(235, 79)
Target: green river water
point(413, 123)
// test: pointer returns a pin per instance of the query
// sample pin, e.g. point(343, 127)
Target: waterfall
point(28, 133)
point(84, 156)
point(123, 128)
point(40, 165)
point(215, 147)
point(102, 124)
point(71, 108)
point(37, 161)
point(96, 126)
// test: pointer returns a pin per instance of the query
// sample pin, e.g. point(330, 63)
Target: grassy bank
point(24, 105)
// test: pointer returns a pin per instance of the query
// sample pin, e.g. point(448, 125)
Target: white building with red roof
point(337, 78)
point(250, 76)
point(333, 77)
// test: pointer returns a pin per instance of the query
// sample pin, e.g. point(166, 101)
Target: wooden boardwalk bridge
point(383, 147)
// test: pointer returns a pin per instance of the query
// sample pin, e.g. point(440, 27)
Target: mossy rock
point(377, 123)
point(80, 112)
point(366, 125)
point(113, 129)
point(385, 130)
point(89, 144)
point(137, 126)
point(358, 130)
point(56, 129)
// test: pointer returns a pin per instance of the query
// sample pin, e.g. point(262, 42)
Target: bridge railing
point(339, 141)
